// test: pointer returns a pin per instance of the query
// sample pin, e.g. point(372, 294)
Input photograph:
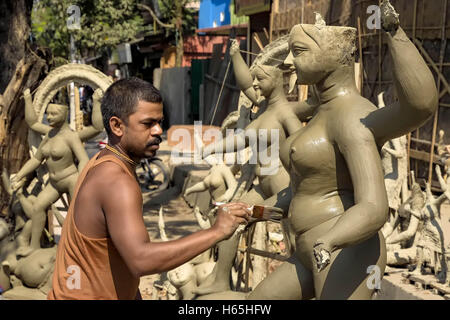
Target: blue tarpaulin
point(214, 13)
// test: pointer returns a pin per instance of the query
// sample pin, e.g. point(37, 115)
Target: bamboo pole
point(436, 115)
point(361, 66)
point(408, 150)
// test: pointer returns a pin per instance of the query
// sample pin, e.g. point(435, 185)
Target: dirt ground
point(179, 221)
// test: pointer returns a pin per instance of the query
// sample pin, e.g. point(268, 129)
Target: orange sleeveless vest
point(88, 268)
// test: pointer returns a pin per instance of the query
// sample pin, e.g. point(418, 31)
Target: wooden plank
point(423, 156)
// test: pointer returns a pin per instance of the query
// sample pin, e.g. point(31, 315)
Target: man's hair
point(122, 97)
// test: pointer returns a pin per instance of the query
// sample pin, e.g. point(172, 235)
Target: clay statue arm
point(435, 201)
point(231, 182)
point(32, 164)
point(198, 187)
point(440, 178)
point(440, 200)
point(416, 90)
point(370, 211)
point(390, 226)
point(97, 120)
point(231, 143)
point(408, 234)
point(395, 153)
point(280, 200)
point(291, 125)
point(6, 182)
point(79, 151)
point(235, 168)
point(305, 109)
point(242, 73)
point(31, 117)
point(121, 200)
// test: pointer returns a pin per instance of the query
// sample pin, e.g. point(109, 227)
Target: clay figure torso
point(60, 159)
point(320, 179)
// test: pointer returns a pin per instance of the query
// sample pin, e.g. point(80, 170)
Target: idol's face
point(263, 81)
point(56, 115)
point(309, 58)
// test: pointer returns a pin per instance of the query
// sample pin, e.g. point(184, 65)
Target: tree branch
point(162, 24)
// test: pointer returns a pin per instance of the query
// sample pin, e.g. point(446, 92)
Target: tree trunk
point(14, 32)
point(179, 27)
point(20, 69)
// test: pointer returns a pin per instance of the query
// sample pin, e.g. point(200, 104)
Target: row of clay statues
point(332, 182)
point(328, 177)
point(27, 250)
point(415, 233)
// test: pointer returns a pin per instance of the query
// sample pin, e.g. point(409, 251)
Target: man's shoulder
point(109, 177)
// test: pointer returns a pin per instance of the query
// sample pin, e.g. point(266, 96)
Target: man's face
point(143, 130)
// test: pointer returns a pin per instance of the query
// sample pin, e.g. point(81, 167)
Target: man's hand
point(230, 216)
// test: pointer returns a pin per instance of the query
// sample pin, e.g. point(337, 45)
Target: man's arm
point(121, 201)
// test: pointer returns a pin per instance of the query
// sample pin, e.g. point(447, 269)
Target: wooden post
point(380, 44)
point(78, 113)
point(408, 148)
point(361, 67)
point(436, 115)
point(275, 5)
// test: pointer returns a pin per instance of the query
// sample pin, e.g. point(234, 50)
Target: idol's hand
point(389, 17)
point(322, 254)
point(235, 47)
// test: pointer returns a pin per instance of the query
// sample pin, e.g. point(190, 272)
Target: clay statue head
point(266, 79)
point(317, 50)
point(181, 275)
point(56, 114)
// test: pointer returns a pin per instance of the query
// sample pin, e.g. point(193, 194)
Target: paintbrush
point(263, 213)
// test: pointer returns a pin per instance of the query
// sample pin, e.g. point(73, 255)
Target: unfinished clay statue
point(262, 81)
point(33, 276)
point(29, 276)
point(220, 182)
point(395, 166)
point(339, 201)
point(188, 276)
point(402, 246)
point(59, 149)
point(445, 185)
point(430, 245)
point(443, 151)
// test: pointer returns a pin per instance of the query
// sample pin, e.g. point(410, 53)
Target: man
point(104, 246)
